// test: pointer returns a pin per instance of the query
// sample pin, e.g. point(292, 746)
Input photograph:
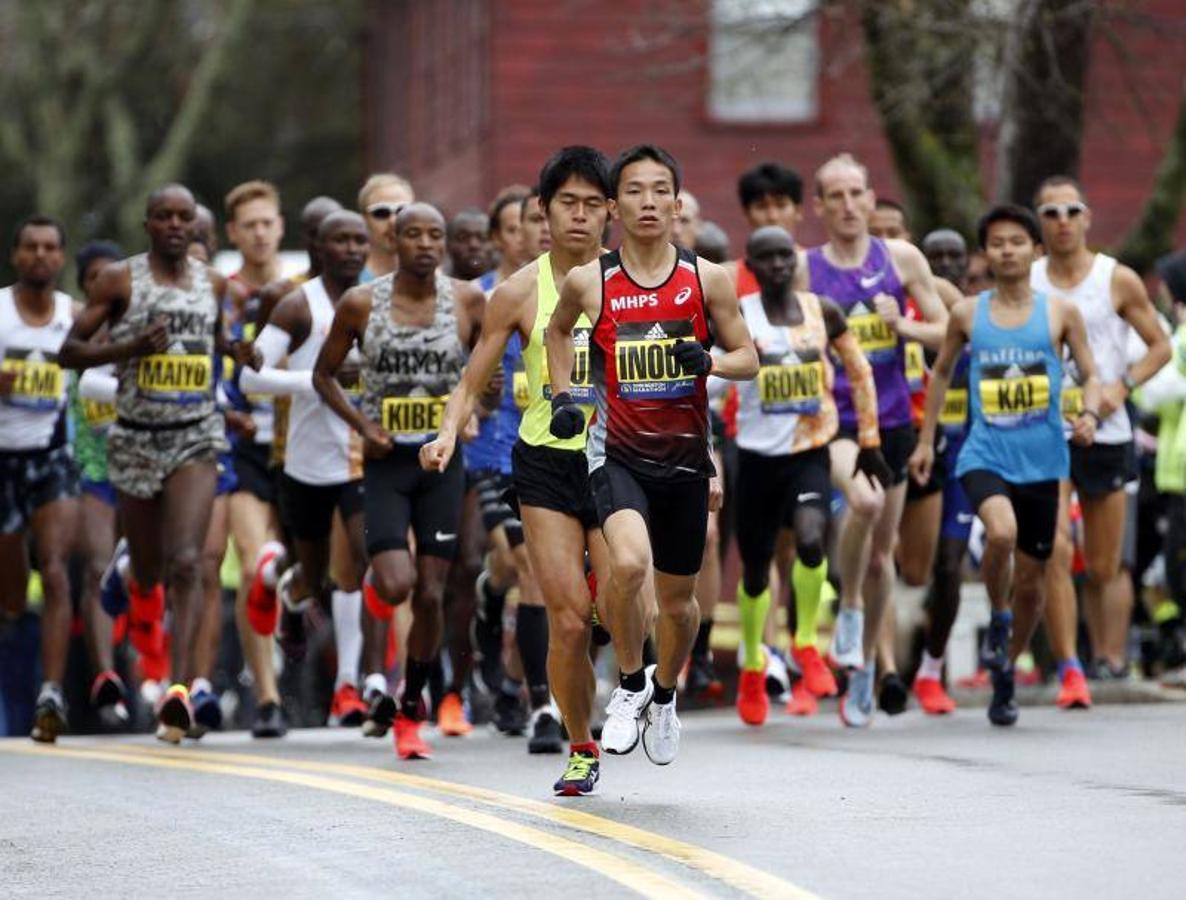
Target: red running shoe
point(752, 702)
point(451, 717)
point(262, 608)
point(932, 697)
point(146, 615)
point(816, 674)
point(408, 743)
point(803, 701)
point(347, 710)
point(1074, 693)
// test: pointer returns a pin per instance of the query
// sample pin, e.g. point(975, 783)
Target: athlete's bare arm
point(291, 314)
point(915, 274)
point(1135, 307)
point(580, 293)
point(507, 311)
point(1073, 332)
point(270, 296)
point(106, 303)
point(948, 293)
point(859, 370)
point(470, 299)
point(959, 325)
point(739, 362)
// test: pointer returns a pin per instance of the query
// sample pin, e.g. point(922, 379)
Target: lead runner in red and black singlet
point(655, 310)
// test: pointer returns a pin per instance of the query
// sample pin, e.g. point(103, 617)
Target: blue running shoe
point(207, 713)
point(580, 776)
point(856, 706)
point(113, 586)
point(1002, 709)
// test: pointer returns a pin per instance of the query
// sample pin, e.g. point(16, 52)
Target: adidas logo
point(1014, 371)
point(35, 356)
point(177, 347)
point(656, 333)
point(859, 309)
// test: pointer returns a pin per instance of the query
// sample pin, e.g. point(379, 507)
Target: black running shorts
point(770, 488)
point(400, 494)
point(554, 479)
point(493, 487)
point(254, 471)
point(1035, 506)
point(1101, 469)
point(307, 510)
point(896, 446)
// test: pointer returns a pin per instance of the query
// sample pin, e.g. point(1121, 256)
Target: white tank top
point(1107, 335)
point(29, 415)
point(321, 448)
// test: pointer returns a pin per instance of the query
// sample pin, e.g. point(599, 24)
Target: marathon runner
point(164, 313)
point(869, 279)
point(38, 481)
point(1015, 453)
point(786, 420)
point(506, 236)
point(551, 476)
point(380, 200)
point(468, 244)
point(414, 330)
point(1111, 298)
point(688, 223)
point(656, 309)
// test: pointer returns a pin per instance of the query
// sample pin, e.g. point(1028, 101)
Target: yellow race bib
point(175, 377)
point(645, 362)
point(580, 383)
point(38, 384)
point(1015, 396)
point(98, 415)
point(519, 389)
point(413, 416)
point(915, 366)
point(955, 408)
point(795, 388)
point(877, 340)
point(1071, 402)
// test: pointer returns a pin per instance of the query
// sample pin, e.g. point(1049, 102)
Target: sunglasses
point(1062, 210)
point(384, 211)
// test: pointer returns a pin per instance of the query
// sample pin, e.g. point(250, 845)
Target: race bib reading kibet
point(39, 380)
point(412, 416)
point(185, 374)
point(646, 363)
point(1014, 394)
point(580, 384)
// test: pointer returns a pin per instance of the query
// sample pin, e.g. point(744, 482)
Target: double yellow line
point(407, 791)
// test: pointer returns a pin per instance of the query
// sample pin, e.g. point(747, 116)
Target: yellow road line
point(625, 872)
point(737, 875)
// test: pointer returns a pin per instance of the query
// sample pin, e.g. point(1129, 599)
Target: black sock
point(662, 695)
point(633, 681)
point(700, 648)
point(531, 637)
point(493, 602)
point(649, 657)
point(414, 681)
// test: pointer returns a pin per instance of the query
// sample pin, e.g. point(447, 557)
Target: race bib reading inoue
point(646, 364)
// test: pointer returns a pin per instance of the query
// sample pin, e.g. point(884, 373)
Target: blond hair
point(248, 191)
point(839, 161)
point(382, 180)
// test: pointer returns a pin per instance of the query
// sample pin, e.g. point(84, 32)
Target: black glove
point(872, 463)
point(567, 418)
point(692, 357)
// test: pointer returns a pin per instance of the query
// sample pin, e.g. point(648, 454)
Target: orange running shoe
point(803, 701)
point(932, 697)
point(347, 710)
point(451, 716)
point(752, 702)
point(408, 743)
point(816, 674)
point(1074, 693)
point(262, 609)
point(381, 611)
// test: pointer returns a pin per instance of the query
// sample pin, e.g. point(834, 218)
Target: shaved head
point(168, 191)
point(418, 212)
point(769, 237)
point(336, 219)
point(314, 212)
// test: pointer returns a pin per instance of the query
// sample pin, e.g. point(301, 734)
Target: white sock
point(376, 681)
point(930, 667)
point(284, 591)
point(347, 610)
point(201, 684)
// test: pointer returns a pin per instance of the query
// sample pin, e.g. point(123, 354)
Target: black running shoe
point(994, 651)
point(510, 716)
point(1002, 709)
point(291, 634)
point(545, 732)
point(49, 716)
point(269, 722)
point(580, 777)
point(380, 714)
point(891, 697)
point(702, 683)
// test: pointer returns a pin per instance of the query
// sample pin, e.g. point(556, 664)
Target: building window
point(763, 61)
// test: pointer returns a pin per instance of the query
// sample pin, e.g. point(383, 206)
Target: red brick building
point(465, 96)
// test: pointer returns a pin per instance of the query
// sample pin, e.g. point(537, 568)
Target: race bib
point(915, 366)
point(796, 388)
point(581, 383)
point(175, 377)
point(646, 364)
point(955, 409)
point(877, 340)
point(1071, 402)
point(39, 380)
point(520, 391)
point(98, 415)
point(413, 417)
point(1014, 395)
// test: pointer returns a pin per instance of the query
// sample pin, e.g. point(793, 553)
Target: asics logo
point(868, 281)
point(683, 296)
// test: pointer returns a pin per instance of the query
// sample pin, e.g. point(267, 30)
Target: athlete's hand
point(240, 423)
point(872, 463)
point(1112, 397)
point(567, 418)
point(436, 454)
point(692, 357)
point(716, 493)
point(153, 339)
point(376, 441)
point(887, 308)
point(246, 355)
point(1083, 431)
point(7, 383)
point(921, 461)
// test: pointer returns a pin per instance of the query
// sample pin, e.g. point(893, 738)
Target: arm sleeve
point(98, 385)
point(272, 344)
point(864, 390)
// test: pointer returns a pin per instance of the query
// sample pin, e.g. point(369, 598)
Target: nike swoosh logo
point(441, 536)
point(867, 281)
point(810, 495)
point(964, 518)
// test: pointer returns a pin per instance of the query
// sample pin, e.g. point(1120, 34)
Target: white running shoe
point(846, 649)
point(660, 735)
point(619, 735)
point(856, 706)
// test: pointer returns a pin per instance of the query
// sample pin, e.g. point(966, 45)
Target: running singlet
point(259, 406)
point(491, 449)
point(853, 291)
point(537, 414)
point(325, 449)
point(409, 371)
point(91, 418)
point(1014, 383)
point(30, 412)
point(650, 416)
point(788, 408)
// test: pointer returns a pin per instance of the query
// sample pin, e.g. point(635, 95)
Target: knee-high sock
point(347, 612)
point(753, 611)
point(808, 584)
point(531, 637)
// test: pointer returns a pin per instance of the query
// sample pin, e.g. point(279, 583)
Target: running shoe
point(816, 674)
point(1074, 692)
point(261, 596)
point(620, 733)
point(49, 715)
point(892, 694)
point(846, 651)
point(207, 714)
point(701, 682)
point(109, 700)
point(660, 734)
point(994, 651)
point(856, 706)
point(753, 704)
point(1002, 709)
point(290, 634)
point(347, 709)
point(580, 775)
point(778, 676)
point(932, 696)
point(486, 635)
point(269, 721)
point(545, 732)
point(113, 585)
point(451, 721)
point(380, 714)
point(803, 702)
point(174, 716)
point(408, 742)
point(509, 715)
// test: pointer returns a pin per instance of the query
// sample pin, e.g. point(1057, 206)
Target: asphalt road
point(1065, 805)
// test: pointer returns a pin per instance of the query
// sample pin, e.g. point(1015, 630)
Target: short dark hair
point(887, 203)
point(470, 212)
point(576, 161)
point(769, 179)
point(1059, 181)
point(513, 196)
point(1009, 212)
point(639, 152)
point(531, 195)
point(37, 220)
point(1172, 270)
point(94, 250)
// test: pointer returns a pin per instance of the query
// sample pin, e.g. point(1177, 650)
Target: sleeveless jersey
point(259, 406)
point(1107, 335)
point(491, 449)
point(746, 284)
point(788, 408)
point(408, 371)
point(537, 413)
point(30, 415)
point(650, 416)
point(916, 368)
point(324, 449)
point(853, 291)
point(1014, 380)
point(177, 385)
point(91, 419)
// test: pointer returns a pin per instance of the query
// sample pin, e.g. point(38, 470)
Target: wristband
point(1130, 383)
point(1094, 415)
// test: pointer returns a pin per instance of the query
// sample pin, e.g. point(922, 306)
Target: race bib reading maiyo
point(175, 377)
point(413, 416)
point(646, 364)
point(878, 341)
point(795, 388)
point(915, 366)
point(38, 384)
point(580, 384)
point(955, 408)
point(1015, 394)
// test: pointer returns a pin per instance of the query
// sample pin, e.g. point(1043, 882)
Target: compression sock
point(808, 584)
point(415, 679)
point(753, 612)
point(531, 637)
point(347, 614)
point(662, 695)
point(703, 637)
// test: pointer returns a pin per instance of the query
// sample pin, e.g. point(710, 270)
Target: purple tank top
point(853, 291)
